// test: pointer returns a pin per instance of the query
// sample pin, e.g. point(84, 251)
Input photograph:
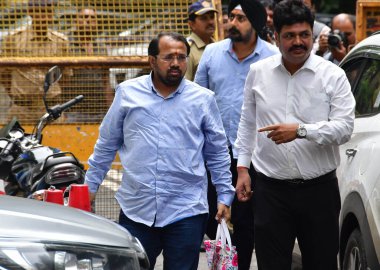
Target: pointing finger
point(268, 128)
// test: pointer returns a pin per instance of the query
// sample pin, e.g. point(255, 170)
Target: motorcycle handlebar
point(58, 109)
point(70, 103)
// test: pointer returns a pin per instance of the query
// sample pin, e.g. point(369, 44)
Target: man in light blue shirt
point(223, 69)
point(165, 128)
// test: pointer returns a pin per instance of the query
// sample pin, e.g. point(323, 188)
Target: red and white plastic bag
point(220, 253)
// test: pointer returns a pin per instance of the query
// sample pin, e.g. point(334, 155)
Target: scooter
point(27, 166)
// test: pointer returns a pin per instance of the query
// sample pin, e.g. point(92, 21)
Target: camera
point(335, 38)
point(267, 33)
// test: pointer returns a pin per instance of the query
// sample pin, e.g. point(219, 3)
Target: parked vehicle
point(28, 166)
point(47, 236)
point(358, 173)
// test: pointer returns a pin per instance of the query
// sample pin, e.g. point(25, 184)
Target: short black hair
point(268, 4)
point(153, 49)
point(192, 17)
point(315, 3)
point(289, 12)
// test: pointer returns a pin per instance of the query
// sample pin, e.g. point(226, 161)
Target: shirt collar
point(178, 91)
point(198, 41)
point(259, 46)
point(258, 49)
point(311, 62)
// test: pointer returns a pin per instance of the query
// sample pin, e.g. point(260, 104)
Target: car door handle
point(351, 152)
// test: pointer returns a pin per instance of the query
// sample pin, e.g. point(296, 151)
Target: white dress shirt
point(317, 95)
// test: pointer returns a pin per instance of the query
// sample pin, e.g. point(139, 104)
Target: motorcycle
point(27, 166)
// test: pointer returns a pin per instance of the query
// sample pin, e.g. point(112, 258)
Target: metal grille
point(105, 202)
point(97, 44)
point(81, 37)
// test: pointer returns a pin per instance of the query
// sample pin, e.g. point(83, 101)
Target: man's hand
point(339, 52)
point(243, 186)
point(92, 197)
point(323, 44)
point(271, 39)
point(223, 212)
point(281, 133)
point(92, 201)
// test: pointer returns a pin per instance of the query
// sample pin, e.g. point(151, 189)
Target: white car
point(37, 235)
point(359, 171)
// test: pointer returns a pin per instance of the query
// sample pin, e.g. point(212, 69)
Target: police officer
point(25, 84)
point(202, 23)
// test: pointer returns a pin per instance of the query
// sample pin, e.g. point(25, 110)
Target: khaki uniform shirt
point(197, 47)
point(25, 84)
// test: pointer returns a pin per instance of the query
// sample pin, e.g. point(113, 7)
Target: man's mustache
point(175, 69)
point(233, 30)
point(296, 47)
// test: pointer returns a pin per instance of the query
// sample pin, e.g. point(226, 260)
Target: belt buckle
point(296, 182)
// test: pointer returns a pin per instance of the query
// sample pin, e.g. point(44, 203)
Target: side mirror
point(52, 76)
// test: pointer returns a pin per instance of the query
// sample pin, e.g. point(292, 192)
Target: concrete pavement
point(203, 262)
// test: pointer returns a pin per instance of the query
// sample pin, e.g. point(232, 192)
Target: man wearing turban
point(223, 68)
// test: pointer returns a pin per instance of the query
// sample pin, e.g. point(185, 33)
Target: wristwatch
point(301, 131)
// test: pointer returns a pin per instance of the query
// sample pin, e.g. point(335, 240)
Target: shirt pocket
point(314, 104)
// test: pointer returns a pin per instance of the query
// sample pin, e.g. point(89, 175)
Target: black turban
point(254, 11)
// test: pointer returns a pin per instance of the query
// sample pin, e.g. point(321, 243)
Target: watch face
point(301, 132)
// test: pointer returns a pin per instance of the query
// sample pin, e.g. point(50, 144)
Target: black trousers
point(308, 212)
point(241, 218)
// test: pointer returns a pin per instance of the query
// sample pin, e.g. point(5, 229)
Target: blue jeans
point(179, 241)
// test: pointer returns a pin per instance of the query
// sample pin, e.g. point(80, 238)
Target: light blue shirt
point(163, 144)
point(220, 71)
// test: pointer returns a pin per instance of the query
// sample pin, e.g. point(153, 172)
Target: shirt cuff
point(244, 161)
point(226, 199)
point(92, 187)
point(312, 132)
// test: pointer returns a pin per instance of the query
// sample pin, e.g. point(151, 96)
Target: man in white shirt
point(290, 129)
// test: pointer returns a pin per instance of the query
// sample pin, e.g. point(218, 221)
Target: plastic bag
point(220, 253)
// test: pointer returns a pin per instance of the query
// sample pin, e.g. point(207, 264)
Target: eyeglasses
point(181, 58)
point(240, 18)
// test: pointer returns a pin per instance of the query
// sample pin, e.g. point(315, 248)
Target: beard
point(171, 79)
point(236, 36)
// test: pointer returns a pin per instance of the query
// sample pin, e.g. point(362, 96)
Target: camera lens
point(334, 40)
